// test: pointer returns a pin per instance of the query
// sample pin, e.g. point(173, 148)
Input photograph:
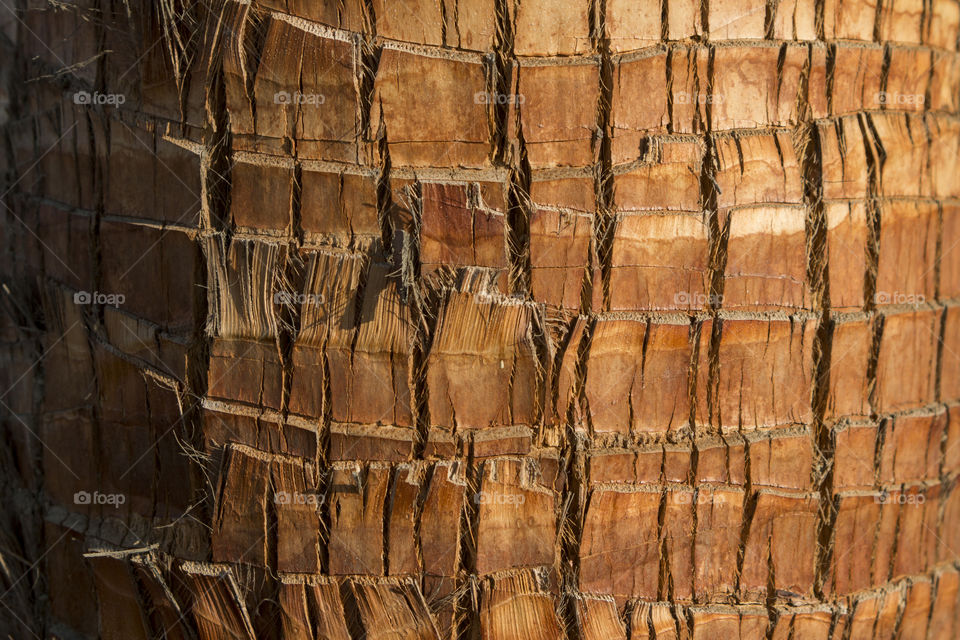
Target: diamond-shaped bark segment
point(906, 371)
point(782, 541)
point(457, 230)
point(908, 248)
point(846, 253)
point(518, 604)
point(511, 493)
point(667, 178)
point(482, 369)
point(659, 262)
point(637, 376)
point(356, 498)
point(766, 259)
point(757, 169)
point(765, 374)
point(620, 550)
point(369, 363)
point(545, 28)
point(433, 110)
point(560, 245)
point(558, 131)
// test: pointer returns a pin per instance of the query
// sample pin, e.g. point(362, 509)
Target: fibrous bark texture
point(462, 319)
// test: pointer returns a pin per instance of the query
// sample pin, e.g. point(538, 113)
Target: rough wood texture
point(462, 319)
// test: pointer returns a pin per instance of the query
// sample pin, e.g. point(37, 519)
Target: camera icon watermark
point(96, 297)
point(96, 498)
point(297, 97)
point(297, 498)
point(484, 97)
point(97, 98)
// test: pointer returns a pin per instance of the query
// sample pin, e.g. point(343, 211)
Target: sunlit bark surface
point(462, 319)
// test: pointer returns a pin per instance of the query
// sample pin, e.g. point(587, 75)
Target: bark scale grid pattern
point(530, 319)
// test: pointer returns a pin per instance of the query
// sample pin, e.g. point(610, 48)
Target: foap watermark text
point(297, 97)
point(97, 98)
point(111, 499)
point(297, 498)
point(97, 297)
point(295, 297)
point(484, 497)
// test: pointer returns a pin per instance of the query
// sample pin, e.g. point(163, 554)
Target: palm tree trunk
point(581, 319)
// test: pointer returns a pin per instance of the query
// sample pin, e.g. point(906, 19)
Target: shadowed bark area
point(463, 319)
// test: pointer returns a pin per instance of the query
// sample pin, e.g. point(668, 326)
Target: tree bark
point(581, 319)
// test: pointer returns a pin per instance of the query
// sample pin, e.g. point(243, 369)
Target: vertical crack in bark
point(571, 530)
point(351, 611)
point(819, 10)
point(626, 617)
point(519, 209)
point(878, 21)
point(289, 280)
point(368, 60)
point(502, 70)
point(695, 333)
point(579, 391)
point(273, 526)
point(603, 169)
point(425, 474)
point(831, 70)
point(504, 80)
point(892, 563)
point(467, 603)
point(324, 488)
point(218, 161)
point(541, 349)
point(818, 277)
point(664, 578)
point(385, 204)
point(771, 600)
point(824, 437)
point(671, 51)
point(769, 18)
point(885, 69)
point(574, 498)
point(570, 527)
point(375, 134)
point(253, 39)
point(750, 499)
point(898, 620)
point(425, 305)
point(875, 156)
point(938, 371)
point(719, 230)
point(386, 513)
